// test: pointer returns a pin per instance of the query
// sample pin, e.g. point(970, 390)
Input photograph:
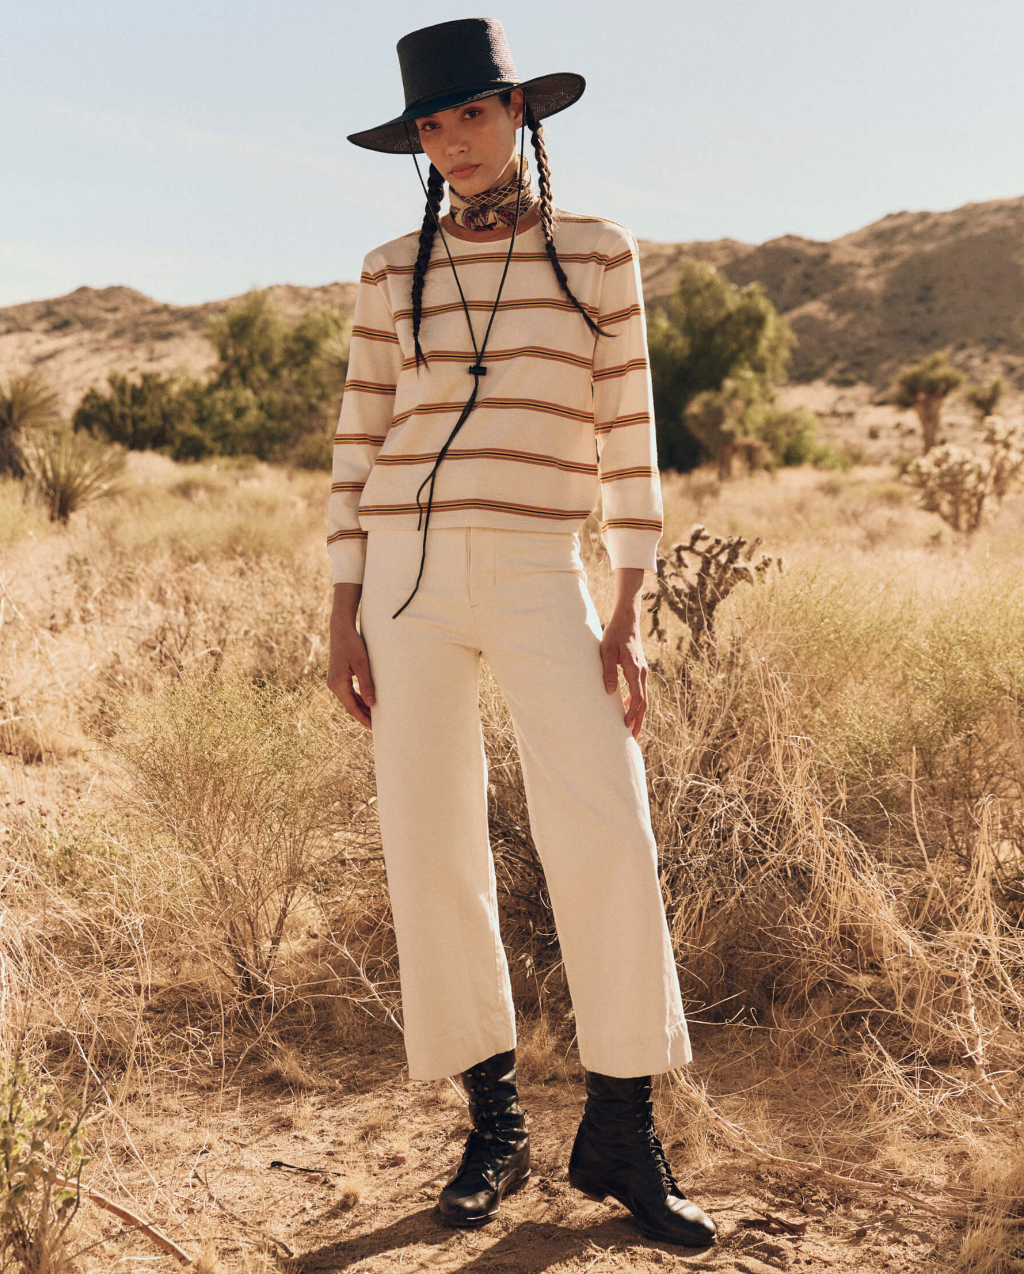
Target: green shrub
point(274, 395)
point(40, 1151)
point(791, 437)
point(150, 414)
point(711, 333)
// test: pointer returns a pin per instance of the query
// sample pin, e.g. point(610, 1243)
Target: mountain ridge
point(861, 304)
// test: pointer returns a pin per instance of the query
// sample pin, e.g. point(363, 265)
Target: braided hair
point(435, 194)
point(546, 214)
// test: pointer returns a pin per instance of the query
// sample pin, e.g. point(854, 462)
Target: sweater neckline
point(464, 248)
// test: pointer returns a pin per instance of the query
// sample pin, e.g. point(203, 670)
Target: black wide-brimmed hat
point(456, 62)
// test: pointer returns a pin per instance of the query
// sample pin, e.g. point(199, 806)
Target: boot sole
point(471, 1224)
point(598, 1193)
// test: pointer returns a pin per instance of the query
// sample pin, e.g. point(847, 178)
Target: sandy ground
point(367, 1153)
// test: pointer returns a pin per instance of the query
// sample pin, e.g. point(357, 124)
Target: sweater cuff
point(628, 547)
point(348, 558)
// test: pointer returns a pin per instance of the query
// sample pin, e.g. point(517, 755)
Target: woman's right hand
point(348, 658)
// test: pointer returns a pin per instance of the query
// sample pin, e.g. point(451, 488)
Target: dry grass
point(837, 792)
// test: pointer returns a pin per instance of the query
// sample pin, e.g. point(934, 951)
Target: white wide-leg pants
point(520, 600)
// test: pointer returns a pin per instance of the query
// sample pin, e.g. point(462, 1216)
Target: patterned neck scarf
point(495, 207)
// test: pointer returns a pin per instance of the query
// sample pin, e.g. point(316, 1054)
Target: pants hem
point(627, 1058)
point(457, 1053)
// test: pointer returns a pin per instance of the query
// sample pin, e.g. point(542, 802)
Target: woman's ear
point(516, 104)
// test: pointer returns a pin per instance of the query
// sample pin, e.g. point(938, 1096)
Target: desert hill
point(864, 304)
point(861, 305)
point(76, 339)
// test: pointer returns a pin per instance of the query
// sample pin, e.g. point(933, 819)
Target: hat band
point(476, 87)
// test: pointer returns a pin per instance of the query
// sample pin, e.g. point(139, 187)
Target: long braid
point(547, 215)
point(435, 193)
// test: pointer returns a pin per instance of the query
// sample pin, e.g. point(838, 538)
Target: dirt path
point(382, 1148)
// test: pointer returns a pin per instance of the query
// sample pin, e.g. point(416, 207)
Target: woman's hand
point(348, 657)
point(621, 646)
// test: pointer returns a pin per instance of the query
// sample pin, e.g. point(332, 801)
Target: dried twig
point(264, 1234)
point(144, 1227)
point(977, 1053)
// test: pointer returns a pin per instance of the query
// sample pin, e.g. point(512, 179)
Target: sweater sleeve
point(375, 360)
point(624, 417)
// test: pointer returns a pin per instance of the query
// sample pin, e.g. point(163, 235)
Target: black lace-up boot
point(497, 1155)
point(617, 1152)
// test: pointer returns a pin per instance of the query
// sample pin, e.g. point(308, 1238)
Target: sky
point(195, 149)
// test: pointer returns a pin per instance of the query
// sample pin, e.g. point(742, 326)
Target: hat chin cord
point(477, 369)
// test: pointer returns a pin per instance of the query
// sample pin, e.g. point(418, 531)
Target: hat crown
point(451, 56)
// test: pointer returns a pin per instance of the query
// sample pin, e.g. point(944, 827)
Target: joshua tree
point(925, 386)
point(26, 402)
point(985, 398)
point(717, 419)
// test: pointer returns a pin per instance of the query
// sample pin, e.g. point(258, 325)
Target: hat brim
point(547, 95)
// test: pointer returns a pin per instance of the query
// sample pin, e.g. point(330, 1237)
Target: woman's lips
point(464, 170)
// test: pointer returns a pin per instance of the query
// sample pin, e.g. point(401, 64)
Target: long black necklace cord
point(477, 370)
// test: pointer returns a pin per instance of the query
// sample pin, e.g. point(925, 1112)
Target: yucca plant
point(71, 470)
point(26, 402)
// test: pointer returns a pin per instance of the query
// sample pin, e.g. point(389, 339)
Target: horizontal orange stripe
point(615, 475)
point(620, 316)
point(347, 486)
point(375, 334)
point(525, 303)
point(621, 259)
point(369, 387)
point(492, 258)
point(501, 356)
point(357, 439)
point(641, 418)
point(499, 506)
point(346, 535)
point(499, 404)
point(491, 453)
point(631, 524)
point(610, 373)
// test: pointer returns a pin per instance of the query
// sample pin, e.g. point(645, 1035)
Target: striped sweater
point(560, 416)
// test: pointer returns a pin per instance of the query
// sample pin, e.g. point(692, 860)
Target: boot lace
point(658, 1155)
point(651, 1140)
point(479, 1153)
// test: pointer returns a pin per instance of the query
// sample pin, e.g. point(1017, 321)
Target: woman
point(498, 374)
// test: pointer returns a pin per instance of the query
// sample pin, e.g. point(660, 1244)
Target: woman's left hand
point(621, 646)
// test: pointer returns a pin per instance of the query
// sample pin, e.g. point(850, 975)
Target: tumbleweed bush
point(240, 782)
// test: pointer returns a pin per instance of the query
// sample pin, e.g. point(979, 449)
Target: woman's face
point(473, 146)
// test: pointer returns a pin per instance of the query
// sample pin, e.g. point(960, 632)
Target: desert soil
point(368, 1151)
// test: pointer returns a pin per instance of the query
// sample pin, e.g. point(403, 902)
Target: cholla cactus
point(954, 483)
point(963, 487)
point(1007, 455)
point(721, 564)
